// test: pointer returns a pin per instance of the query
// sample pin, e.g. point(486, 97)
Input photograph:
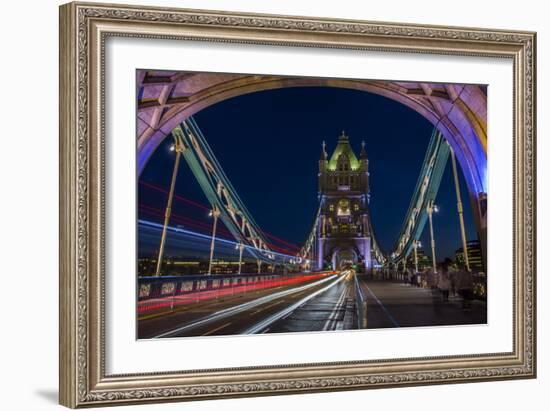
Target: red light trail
point(195, 296)
point(197, 224)
point(205, 228)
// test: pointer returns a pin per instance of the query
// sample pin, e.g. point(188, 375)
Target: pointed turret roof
point(343, 147)
point(323, 151)
point(363, 154)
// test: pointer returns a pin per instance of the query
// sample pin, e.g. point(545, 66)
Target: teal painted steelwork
point(376, 250)
point(220, 192)
point(222, 196)
point(425, 193)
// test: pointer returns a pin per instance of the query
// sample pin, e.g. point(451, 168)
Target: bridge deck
point(318, 305)
point(332, 310)
point(232, 314)
point(395, 304)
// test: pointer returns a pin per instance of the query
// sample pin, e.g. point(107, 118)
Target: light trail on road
point(338, 307)
point(243, 307)
point(262, 325)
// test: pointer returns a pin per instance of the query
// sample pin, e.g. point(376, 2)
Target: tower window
point(343, 208)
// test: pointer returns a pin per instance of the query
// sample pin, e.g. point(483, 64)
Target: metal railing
point(162, 294)
point(360, 305)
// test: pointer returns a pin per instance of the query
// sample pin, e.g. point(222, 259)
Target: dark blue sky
point(269, 144)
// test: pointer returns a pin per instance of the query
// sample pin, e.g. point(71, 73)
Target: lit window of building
point(344, 189)
point(343, 208)
point(474, 256)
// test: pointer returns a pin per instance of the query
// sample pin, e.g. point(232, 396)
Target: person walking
point(453, 280)
point(444, 286)
point(465, 288)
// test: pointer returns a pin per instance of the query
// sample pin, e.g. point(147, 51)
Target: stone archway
point(459, 111)
point(344, 258)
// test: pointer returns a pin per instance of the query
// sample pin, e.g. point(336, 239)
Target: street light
point(213, 213)
point(416, 244)
point(179, 148)
point(431, 208)
point(460, 212)
point(240, 247)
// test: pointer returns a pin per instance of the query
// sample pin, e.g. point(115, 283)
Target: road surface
point(324, 304)
point(252, 312)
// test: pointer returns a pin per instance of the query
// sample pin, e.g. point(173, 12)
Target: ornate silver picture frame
point(84, 30)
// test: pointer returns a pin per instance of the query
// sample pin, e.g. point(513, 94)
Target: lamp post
point(214, 213)
point(314, 245)
point(431, 208)
point(390, 267)
point(179, 148)
point(460, 211)
point(240, 247)
point(416, 244)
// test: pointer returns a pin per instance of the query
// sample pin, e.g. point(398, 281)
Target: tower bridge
point(343, 237)
point(339, 279)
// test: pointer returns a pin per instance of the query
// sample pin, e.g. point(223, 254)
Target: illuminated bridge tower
point(344, 237)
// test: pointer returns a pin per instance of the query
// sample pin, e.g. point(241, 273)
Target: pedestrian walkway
point(395, 304)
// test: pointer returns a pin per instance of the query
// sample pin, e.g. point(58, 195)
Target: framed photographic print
point(260, 204)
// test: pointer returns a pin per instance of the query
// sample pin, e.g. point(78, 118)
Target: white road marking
point(265, 308)
point(257, 328)
point(218, 328)
point(334, 313)
point(393, 320)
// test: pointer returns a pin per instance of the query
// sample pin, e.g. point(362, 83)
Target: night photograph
point(270, 204)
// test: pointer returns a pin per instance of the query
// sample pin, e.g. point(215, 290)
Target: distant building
point(344, 237)
point(224, 267)
point(177, 266)
point(146, 266)
point(424, 261)
point(474, 256)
